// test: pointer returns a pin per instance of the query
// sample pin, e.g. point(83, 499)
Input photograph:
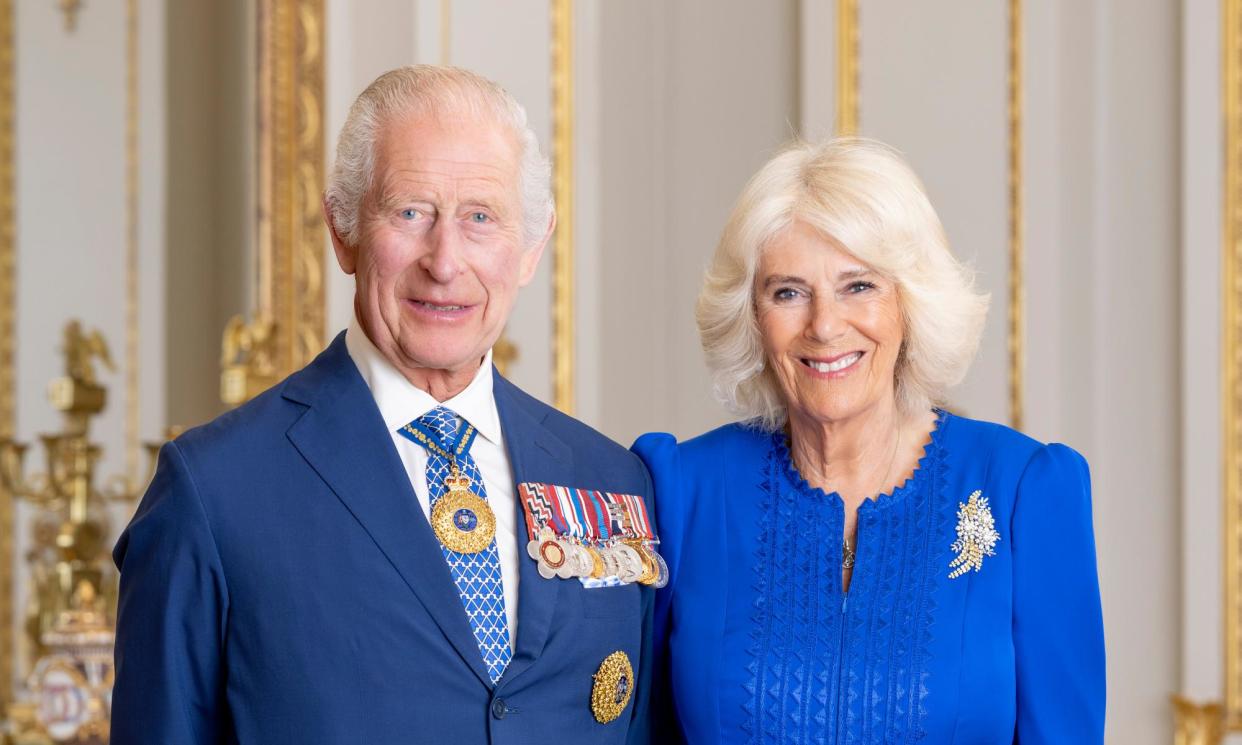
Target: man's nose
point(443, 259)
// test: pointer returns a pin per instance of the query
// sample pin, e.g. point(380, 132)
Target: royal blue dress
point(757, 643)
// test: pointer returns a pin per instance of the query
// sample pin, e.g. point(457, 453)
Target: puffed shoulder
point(1054, 489)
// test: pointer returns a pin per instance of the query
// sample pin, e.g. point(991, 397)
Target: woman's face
point(831, 326)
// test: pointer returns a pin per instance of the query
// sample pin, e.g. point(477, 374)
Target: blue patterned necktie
point(477, 575)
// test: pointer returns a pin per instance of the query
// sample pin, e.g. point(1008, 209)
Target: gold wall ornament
point(1231, 357)
point(290, 173)
point(7, 336)
point(1017, 281)
point(563, 187)
point(847, 67)
point(504, 354)
point(70, 8)
point(1197, 724)
point(72, 608)
point(247, 359)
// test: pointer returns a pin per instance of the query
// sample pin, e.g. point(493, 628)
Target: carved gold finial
point(70, 8)
point(81, 349)
point(247, 359)
point(1197, 724)
point(504, 354)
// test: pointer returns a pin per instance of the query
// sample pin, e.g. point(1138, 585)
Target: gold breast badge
point(614, 683)
point(461, 519)
point(976, 535)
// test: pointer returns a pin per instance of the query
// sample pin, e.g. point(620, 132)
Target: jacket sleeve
point(169, 684)
point(1058, 628)
point(659, 452)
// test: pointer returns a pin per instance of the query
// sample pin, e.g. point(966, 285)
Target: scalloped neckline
point(931, 450)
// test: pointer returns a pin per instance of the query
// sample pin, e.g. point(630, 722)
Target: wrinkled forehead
point(446, 151)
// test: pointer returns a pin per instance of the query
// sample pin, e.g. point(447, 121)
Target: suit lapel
point(343, 438)
point(535, 455)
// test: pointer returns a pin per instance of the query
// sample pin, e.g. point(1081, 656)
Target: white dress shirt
point(400, 403)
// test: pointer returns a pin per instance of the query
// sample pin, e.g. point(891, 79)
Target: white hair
point(862, 195)
point(432, 90)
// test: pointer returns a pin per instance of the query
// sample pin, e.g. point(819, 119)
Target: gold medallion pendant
point(614, 683)
point(462, 520)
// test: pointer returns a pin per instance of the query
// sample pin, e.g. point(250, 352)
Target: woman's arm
point(1058, 629)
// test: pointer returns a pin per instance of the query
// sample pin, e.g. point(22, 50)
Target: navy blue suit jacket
point(280, 584)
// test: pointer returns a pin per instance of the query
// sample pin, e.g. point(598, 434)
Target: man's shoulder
point(251, 426)
point(588, 444)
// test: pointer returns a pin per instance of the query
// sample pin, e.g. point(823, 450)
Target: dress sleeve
point(170, 619)
point(1058, 629)
point(659, 452)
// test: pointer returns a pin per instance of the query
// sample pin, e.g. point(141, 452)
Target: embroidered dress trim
point(825, 666)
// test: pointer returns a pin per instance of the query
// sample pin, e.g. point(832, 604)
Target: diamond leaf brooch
point(976, 535)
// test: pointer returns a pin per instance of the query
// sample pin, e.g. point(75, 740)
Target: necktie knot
point(442, 421)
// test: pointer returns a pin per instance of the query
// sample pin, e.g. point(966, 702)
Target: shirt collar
point(401, 402)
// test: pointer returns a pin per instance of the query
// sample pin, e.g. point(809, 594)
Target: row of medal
point(629, 560)
point(601, 538)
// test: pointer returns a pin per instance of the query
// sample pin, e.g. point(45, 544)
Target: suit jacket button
point(499, 709)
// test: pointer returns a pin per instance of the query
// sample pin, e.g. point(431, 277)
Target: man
point(370, 552)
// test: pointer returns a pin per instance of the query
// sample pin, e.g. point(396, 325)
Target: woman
point(850, 564)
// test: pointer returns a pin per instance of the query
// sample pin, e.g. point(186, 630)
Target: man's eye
point(409, 214)
point(479, 217)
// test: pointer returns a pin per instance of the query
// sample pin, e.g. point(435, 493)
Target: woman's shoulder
point(1006, 449)
point(728, 443)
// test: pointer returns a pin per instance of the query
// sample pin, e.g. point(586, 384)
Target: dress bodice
point(764, 647)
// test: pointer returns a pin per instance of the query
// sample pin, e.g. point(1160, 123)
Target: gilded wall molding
point(1231, 348)
point(847, 68)
point(8, 299)
point(563, 188)
point(1017, 261)
point(290, 178)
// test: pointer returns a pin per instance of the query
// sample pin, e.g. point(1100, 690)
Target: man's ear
point(530, 257)
point(346, 255)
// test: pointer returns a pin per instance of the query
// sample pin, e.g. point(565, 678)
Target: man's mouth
point(834, 364)
point(438, 307)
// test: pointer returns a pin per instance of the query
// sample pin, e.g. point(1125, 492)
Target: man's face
point(440, 258)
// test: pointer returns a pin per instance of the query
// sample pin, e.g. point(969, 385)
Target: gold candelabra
point(72, 605)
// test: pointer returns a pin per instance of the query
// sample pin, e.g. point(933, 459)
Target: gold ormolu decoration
point(614, 684)
point(461, 519)
point(1017, 284)
point(290, 148)
point(247, 360)
point(73, 583)
point(976, 535)
point(563, 188)
point(7, 335)
point(70, 8)
point(847, 68)
point(1231, 352)
point(1197, 724)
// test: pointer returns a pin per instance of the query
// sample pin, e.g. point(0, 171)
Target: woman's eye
point(784, 294)
point(479, 218)
point(856, 287)
point(409, 214)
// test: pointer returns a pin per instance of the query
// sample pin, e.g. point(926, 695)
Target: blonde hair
point(431, 90)
point(863, 195)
